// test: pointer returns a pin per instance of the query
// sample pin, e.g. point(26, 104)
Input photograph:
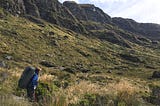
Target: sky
point(145, 11)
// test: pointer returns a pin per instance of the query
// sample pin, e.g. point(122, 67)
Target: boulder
point(85, 70)
point(131, 58)
point(54, 43)
point(51, 33)
point(61, 68)
point(109, 71)
point(47, 64)
point(154, 98)
point(156, 74)
point(9, 57)
point(2, 64)
point(70, 70)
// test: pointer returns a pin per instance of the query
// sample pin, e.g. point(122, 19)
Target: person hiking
point(32, 85)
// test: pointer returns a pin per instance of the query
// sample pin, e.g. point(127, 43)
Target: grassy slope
point(29, 43)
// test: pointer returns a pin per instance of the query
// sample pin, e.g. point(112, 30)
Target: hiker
point(29, 81)
point(32, 85)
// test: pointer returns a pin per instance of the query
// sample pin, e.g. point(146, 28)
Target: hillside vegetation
point(111, 68)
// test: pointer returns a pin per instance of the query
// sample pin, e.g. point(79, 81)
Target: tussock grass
point(46, 78)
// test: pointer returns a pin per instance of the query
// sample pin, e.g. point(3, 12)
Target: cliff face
point(149, 30)
point(16, 7)
point(49, 10)
point(87, 12)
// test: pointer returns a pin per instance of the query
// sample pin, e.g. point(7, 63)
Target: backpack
point(26, 77)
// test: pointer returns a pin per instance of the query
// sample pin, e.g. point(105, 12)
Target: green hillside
point(78, 69)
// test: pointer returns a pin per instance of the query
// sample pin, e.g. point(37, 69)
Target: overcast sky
point(147, 11)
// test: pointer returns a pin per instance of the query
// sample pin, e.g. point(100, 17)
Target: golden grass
point(74, 93)
point(123, 88)
point(46, 78)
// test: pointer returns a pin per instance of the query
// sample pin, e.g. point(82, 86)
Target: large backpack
point(26, 77)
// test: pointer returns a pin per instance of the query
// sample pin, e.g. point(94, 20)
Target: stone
point(47, 64)
point(156, 74)
point(155, 96)
point(70, 70)
point(119, 73)
point(51, 33)
point(85, 70)
point(9, 57)
point(49, 55)
point(2, 64)
point(54, 43)
point(61, 68)
point(109, 71)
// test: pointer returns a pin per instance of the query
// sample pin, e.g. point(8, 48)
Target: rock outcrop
point(49, 10)
point(87, 12)
point(149, 30)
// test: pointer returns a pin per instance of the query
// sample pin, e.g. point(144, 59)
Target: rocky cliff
point(87, 12)
point(149, 30)
point(49, 10)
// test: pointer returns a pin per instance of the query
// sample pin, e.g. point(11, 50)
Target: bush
point(94, 100)
point(125, 98)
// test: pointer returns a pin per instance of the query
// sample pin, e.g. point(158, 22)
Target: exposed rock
point(9, 57)
point(155, 96)
point(49, 55)
point(109, 71)
point(149, 30)
point(54, 43)
point(31, 8)
point(47, 64)
point(65, 37)
point(130, 58)
point(98, 72)
point(112, 37)
point(49, 10)
point(156, 74)
point(76, 10)
point(65, 85)
point(61, 68)
point(2, 64)
point(155, 42)
point(70, 70)
point(119, 73)
point(150, 67)
point(83, 53)
point(35, 20)
point(83, 70)
point(16, 7)
point(87, 12)
point(51, 33)
point(83, 78)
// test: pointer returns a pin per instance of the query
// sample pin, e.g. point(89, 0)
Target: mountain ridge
point(75, 16)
